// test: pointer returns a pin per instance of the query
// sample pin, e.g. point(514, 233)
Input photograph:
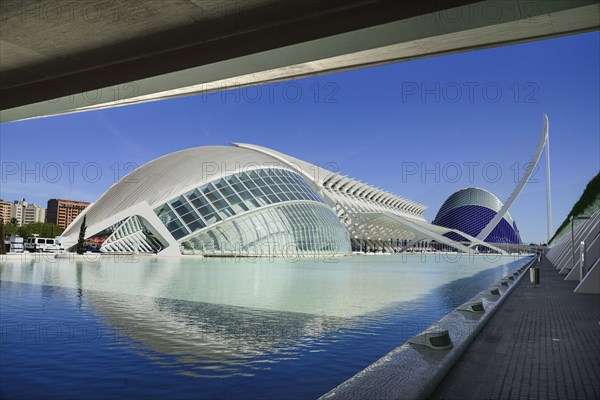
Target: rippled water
point(218, 328)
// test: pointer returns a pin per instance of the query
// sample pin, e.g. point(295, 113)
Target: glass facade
point(296, 228)
point(301, 227)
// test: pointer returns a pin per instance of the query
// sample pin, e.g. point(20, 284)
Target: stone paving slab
point(542, 343)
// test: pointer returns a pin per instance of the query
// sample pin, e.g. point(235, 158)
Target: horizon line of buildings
point(60, 212)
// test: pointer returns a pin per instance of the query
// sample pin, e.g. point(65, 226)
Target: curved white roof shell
point(170, 175)
point(366, 212)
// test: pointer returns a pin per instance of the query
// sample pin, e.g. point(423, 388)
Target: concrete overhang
point(62, 56)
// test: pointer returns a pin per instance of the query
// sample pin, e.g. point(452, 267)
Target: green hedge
point(590, 195)
point(43, 229)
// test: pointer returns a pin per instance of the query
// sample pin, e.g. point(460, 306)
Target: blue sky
point(471, 119)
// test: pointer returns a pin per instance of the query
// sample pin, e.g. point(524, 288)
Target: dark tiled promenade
point(542, 343)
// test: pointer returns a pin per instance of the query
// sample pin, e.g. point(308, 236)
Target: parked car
point(39, 244)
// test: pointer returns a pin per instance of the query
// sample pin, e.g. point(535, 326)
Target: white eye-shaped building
point(250, 200)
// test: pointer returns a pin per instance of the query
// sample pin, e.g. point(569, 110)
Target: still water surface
point(218, 328)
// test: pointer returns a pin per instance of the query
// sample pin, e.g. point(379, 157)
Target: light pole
point(573, 240)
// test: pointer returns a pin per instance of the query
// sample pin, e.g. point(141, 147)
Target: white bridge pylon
point(500, 214)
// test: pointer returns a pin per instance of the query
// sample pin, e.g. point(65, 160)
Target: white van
point(39, 244)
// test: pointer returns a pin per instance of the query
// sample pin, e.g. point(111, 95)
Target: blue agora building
point(470, 210)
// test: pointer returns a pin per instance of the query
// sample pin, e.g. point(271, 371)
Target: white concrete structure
point(530, 168)
point(213, 200)
point(577, 254)
point(413, 33)
point(250, 200)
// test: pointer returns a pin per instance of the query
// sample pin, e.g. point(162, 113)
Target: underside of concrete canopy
point(62, 56)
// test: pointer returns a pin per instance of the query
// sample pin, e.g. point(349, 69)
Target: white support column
point(548, 192)
point(500, 214)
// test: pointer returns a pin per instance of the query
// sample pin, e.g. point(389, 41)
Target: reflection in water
point(313, 324)
point(352, 286)
point(210, 337)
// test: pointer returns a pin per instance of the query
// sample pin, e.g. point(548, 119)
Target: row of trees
point(43, 229)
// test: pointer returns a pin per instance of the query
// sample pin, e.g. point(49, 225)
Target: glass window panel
point(212, 218)
point(252, 203)
point(283, 196)
point(178, 202)
point(179, 233)
point(257, 192)
point(220, 184)
point(267, 190)
point(228, 212)
point(239, 208)
point(254, 175)
point(167, 217)
point(233, 179)
point(250, 185)
point(244, 177)
point(207, 209)
point(306, 186)
point(268, 181)
point(292, 196)
point(200, 202)
point(190, 217)
point(226, 191)
point(274, 198)
point(208, 189)
point(174, 224)
point(196, 225)
point(236, 184)
point(194, 194)
point(184, 209)
point(214, 197)
point(245, 195)
point(162, 210)
point(236, 203)
point(276, 189)
point(277, 180)
point(290, 187)
point(294, 176)
point(300, 195)
point(260, 183)
point(263, 200)
point(220, 204)
point(287, 179)
point(284, 188)
point(233, 198)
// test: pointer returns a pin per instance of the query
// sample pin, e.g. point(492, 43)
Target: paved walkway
point(542, 343)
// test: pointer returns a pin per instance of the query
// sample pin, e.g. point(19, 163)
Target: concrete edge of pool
point(412, 371)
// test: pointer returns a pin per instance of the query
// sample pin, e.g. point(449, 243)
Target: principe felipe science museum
point(248, 200)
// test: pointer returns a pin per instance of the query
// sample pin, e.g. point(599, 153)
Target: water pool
point(218, 328)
